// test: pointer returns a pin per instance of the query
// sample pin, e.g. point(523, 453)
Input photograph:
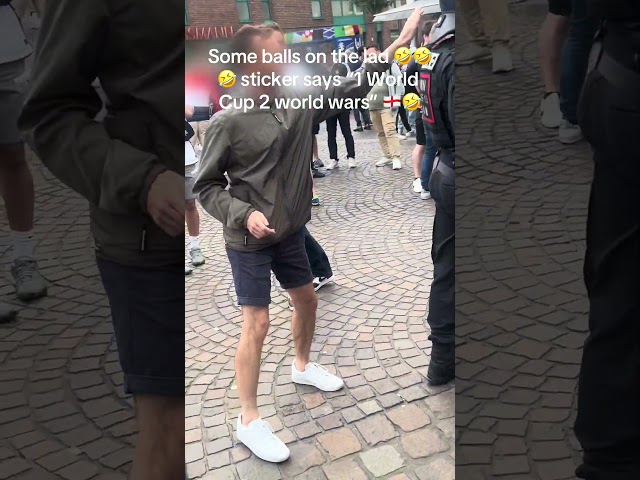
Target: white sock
point(22, 244)
point(195, 242)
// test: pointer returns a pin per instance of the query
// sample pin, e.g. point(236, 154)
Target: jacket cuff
point(153, 173)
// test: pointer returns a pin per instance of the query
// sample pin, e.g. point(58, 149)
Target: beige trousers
point(384, 123)
point(199, 128)
point(487, 21)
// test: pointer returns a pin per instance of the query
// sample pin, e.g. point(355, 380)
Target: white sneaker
point(352, 162)
point(320, 282)
point(550, 114)
point(425, 195)
point(569, 133)
point(384, 162)
point(397, 164)
point(316, 376)
point(331, 164)
point(417, 185)
point(402, 136)
point(258, 437)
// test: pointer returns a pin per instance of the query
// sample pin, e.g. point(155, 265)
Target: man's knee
point(159, 415)
point(256, 319)
point(304, 297)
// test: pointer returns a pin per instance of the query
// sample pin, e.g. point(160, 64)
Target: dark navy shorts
point(147, 311)
point(252, 270)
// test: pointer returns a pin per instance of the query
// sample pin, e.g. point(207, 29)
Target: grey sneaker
point(7, 313)
point(29, 283)
point(569, 133)
point(502, 61)
point(197, 258)
point(472, 53)
point(188, 270)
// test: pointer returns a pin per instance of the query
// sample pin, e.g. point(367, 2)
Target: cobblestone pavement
point(386, 423)
point(521, 306)
point(63, 414)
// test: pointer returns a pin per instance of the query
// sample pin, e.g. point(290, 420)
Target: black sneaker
point(318, 174)
point(368, 127)
point(320, 282)
point(317, 163)
point(358, 129)
point(442, 367)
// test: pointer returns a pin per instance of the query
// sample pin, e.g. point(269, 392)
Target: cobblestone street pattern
point(386, 423)
point(63, 414)
point(521, 305)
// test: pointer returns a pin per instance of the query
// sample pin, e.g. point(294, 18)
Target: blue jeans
point(575, 58)
point(427, 160)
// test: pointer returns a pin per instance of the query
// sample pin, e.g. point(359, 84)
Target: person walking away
point(263, 225)
point(343, 118)
point(191, 215)
point(575, 58)
point(551, 39)
point(16, 181)
point(129, 166)
point(383, 115)
point(488, 25)
point(438, 103)
point(608, 422)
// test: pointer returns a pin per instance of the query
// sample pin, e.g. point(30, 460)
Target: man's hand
point(258, 225)
point(165, 203)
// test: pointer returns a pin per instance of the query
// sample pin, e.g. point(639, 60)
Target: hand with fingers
point(258, 225)
point(165, 203)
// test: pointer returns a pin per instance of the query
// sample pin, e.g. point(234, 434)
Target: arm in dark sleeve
point(189, 132)
point(354, 87)
point(451, 100)
point(58, 116)
point(211, 184)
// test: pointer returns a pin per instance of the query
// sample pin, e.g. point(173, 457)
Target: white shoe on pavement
point(352, 163)
point(320, 282)
point(417, 185)
point(331, 164)
point(316, 376)
point(384, 162)
point(569, 133)
point(397, 164)
point(550, 114)
point(258, 437)
point(424, 195)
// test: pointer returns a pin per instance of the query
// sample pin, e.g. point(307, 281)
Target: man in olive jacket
point(266, 153)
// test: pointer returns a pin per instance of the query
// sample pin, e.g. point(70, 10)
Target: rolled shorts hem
point(146, 385)
point(298, 284)
point(254, 301)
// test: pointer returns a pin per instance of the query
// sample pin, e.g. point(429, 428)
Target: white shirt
point(190, 157)
point(14, 45)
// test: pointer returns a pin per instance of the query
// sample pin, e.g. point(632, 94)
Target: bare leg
point(305, 306)
point(255, 327)
point(315, 148)
point(553, 33)
point(416, 158)
point(16, 187)
point(192, 217)
point(159, 453)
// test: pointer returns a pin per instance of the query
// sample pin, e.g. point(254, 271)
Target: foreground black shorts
point(421, 138)
point(252, 270)
point(560, 7)
point(147, 310)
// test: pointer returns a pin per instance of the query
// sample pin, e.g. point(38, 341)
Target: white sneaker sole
point(302, 382)
point(324, 282)
point(261, 457)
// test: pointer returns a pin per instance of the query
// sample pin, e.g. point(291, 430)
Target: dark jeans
point(362, 117)
point(345, 127)
point(320, 266)
point(575, 57)
point(427, 160)
point(441, 318)
point(608, 421)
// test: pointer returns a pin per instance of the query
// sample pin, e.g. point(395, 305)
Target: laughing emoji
point(411, 102)
point(402, 56)
point(227, 79)
point(422, 55)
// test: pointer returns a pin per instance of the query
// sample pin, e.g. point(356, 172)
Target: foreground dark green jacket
point(136, 49)
point(266, 154)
